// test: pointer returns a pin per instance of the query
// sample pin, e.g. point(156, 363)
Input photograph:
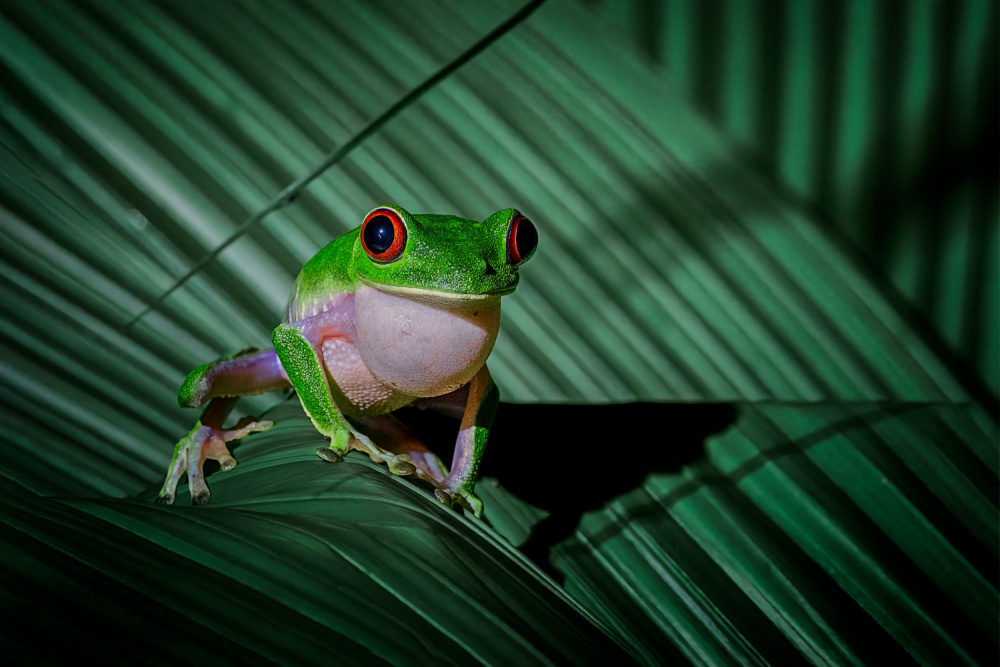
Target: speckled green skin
point(195, 387)
point(305, 369)
point(443, 253)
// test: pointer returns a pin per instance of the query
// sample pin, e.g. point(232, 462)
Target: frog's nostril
point(490, 271)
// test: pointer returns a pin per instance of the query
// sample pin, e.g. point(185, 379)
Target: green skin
point(449, 271)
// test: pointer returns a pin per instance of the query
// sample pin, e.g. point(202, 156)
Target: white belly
point(424, 345)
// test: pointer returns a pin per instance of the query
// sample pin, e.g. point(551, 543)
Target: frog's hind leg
point(395, 436)
point(475, 403)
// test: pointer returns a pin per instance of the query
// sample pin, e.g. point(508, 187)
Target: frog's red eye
point(522, 239)
point(383, 235)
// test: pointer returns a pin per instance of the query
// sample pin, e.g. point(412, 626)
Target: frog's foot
point(348, 439)
point(461, 492)
point(395, 438)
point(199, 445)
point(429, 466)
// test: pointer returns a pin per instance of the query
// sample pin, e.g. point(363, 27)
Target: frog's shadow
point(571, 459)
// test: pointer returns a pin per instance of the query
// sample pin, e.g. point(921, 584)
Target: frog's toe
point(474, 504)
point(444, 497)
point(362, 443)
point(178, 467)
point(215, 448)
point(200, 494)
point(245, 427)
point(330, 455)
point(464, 498)
point(399, 464)
point(401, 467)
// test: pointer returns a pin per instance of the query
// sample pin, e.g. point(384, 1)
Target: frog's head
point(399, 251)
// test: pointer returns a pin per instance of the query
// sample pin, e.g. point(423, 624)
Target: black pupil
point(379, 234)
point(526, 238)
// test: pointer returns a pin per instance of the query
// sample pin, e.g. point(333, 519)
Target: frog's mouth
point(420, 292)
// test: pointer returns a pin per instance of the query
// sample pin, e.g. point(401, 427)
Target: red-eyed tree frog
point(403, 310)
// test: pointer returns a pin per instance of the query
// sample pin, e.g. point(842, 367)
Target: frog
point(403, 310)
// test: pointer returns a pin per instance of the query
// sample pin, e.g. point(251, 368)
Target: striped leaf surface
point(881, 113)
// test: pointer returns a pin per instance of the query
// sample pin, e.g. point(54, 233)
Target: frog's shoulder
point(324, 277)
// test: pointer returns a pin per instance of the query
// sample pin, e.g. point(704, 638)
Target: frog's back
point(324, 277)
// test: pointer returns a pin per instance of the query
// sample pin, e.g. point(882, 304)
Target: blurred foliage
point(882, 115)
point(811, 476)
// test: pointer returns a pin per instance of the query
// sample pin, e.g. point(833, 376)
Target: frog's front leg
point(477, 418)
point(246, 372)
point(299, 346)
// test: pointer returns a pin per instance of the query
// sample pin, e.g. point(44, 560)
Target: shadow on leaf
point(571, 459)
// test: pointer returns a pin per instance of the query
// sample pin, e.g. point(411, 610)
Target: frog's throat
point(419, 292)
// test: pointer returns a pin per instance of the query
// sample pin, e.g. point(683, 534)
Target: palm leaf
point(346, 561)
